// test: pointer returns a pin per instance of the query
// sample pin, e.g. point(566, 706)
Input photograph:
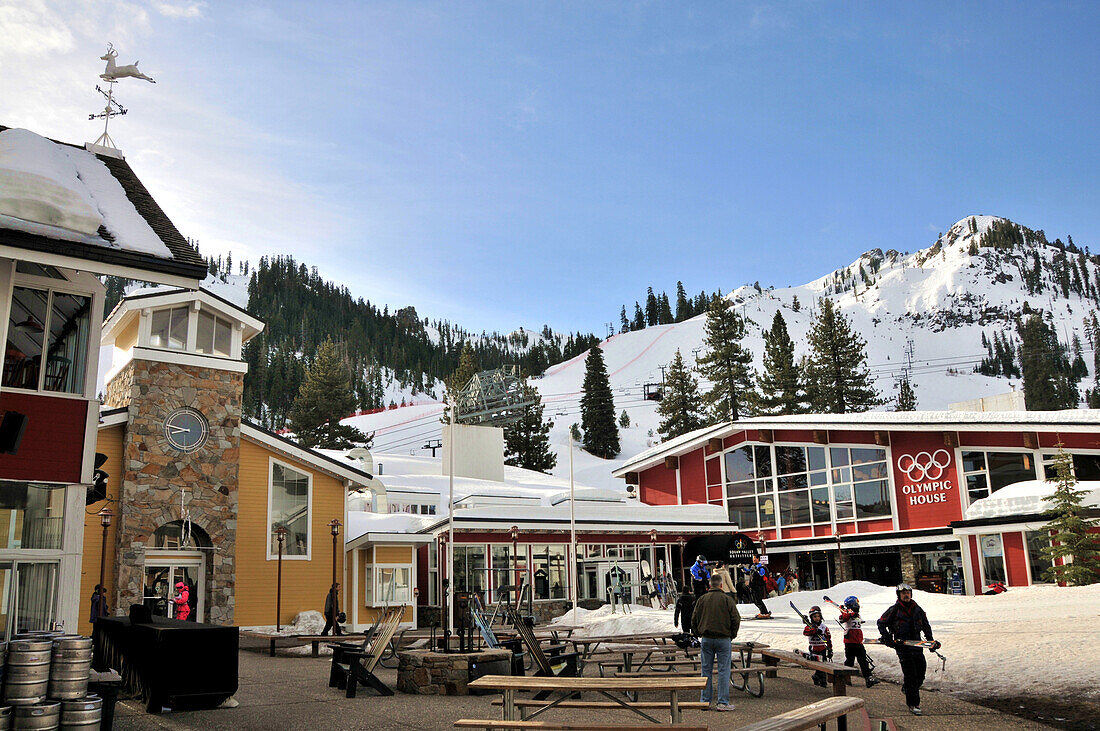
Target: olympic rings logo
point(924, 466)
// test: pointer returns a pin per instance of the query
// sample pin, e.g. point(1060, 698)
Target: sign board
point(764, 559)
point(741, 549)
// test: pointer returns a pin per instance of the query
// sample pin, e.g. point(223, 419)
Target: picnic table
point(840, 674)
point(591, 643)
point(566, 687)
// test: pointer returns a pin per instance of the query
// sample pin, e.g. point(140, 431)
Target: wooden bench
point(839, 673)
point(557, 726)
point(355, 664)
point(807, 717)
point(295, 640)
point(558, 662)
point(566, 687)
point(523, 704)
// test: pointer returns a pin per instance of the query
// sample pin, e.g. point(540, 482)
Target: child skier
point(853, 639)
point(821, 642)
point(685, 606)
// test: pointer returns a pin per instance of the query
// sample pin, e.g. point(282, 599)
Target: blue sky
point(507, 164)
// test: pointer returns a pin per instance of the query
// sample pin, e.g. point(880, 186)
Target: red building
point(874, 496)
point(67, 214)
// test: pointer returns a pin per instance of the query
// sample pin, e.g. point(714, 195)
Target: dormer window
point(169, 328)
point(215, 335)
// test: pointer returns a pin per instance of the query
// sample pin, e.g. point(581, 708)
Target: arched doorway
point(177, 553)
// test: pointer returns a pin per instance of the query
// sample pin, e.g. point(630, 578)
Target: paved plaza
point(291, 692)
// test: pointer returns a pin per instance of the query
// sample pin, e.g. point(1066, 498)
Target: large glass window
point(993, 559)
point(860, 485)
point(393, 585)
point(169, 328)
point(471, 570)
point(47, 344)
point(30, 516)
point(550, 575)
point(748, 473)
point(213, 336)
point(987, 472)
point(1037, 540)
point(801, 477)
point(289, 507)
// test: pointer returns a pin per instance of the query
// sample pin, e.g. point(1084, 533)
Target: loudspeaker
point(12, 427)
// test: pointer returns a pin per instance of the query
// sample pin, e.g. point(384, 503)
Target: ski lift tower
point(491, 398)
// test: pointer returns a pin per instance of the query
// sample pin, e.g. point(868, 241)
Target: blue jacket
point(699, 572)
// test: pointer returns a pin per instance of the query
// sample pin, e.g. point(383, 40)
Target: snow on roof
point(63, 192)
point(360, 523)
point(234, 290)
point(917, 420)
point(1025, 498)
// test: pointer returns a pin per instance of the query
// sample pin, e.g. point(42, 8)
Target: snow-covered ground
point(1034, 641)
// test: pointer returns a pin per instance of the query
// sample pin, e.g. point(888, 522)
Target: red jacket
point(853, 627)
point(821, 640)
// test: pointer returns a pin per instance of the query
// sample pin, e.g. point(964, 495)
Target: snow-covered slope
point(941, 299)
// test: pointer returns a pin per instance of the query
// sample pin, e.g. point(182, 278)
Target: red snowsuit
point(183, 609)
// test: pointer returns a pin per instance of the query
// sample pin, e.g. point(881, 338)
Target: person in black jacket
point(685, 605)
point(332, 611)
point(905, 620)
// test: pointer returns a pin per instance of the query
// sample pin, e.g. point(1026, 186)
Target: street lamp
point(280, 535)
point(515, 560)
point(334, 526)
point(105, 516)
point(683, 573)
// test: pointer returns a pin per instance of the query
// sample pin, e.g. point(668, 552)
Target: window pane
point(30, 516)
point(973, 461)
point(793, 482)
point(766, 511)
point(68, 350)
point(843, 493)
point(204, 339)
point(368, 589)
point(763, 458)
point(26, 328)
point(177, 328)
point(844, 474)
point(763, 486)
point(739, 465)
point(872, 499)
point(815, 458)
point(795, 507)
point(819, 478)
point(790, 459)
point(976, 487)
point(1006, 468)
point(36, 596)
point(290, 508)
point(743, 512)
point(740, 489)
point(1037, 540)
point(992, 558)
point(870, 471)
point(1085, 466)
point(819, 503)
point(839, 456)
point(158, 335)
point(222, 338)
point(845, 511)
point(863, 455)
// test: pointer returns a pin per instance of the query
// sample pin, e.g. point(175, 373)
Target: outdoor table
point(566, 687)
point(591, 643)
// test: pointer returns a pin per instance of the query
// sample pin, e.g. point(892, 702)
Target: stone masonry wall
point(155, 474)
point(120, 390)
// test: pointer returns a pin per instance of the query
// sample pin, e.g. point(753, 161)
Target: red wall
point(1015, 558)
point(693, 482)
point(1070, 441)
point(991, 439)
point(925, 498)
point(657, 486)
point(52, 449)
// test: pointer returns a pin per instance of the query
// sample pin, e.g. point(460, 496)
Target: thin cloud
point(180, 10)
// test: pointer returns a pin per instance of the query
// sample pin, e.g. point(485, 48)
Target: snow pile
point(1025, 498)
point(58, 191)
point(1045, 635)
point(310, 622)
point(39, 183)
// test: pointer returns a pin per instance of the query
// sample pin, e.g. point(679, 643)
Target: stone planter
point(424, 672)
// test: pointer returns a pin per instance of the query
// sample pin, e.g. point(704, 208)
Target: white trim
point(98, 267)
point(182, 357)
point(968, 566)
point(114, 419)
point(354, 586)
point(143, 305)
point(370, 539)
point(272, 461)
point(831, 545)
point(304, 455)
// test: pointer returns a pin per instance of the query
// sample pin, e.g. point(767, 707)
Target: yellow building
point(195, 491)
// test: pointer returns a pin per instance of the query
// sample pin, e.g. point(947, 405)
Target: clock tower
point(176, 380)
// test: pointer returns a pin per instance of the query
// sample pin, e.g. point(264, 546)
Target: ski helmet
point(904, 587)
point(701, 558)
point(852, 602)
point(814, 610)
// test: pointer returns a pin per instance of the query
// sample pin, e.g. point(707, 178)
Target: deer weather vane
point(111, 75)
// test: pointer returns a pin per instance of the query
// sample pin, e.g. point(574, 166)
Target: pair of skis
point(926, 644)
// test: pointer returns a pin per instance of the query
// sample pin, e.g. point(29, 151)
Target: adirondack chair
point(353, 664)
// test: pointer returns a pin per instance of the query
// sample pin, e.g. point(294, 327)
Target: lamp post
point(105, 516)
point(515, 559)
point(334, 526)
point(280, 535)
point(683, 573)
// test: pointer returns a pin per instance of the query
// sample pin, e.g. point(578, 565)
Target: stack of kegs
point(46, 683)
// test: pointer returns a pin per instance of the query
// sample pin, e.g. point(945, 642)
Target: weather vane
point(111, 75)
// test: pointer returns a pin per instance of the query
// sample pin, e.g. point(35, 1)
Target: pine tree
point(652, 308)
point(467, 368)
point(1071, 527)
point(680, 407)
point(838, 365)
point(323, 400)
point(780, 383)
point(575, 432)
point(601, 435)
point(795, 304)
point(625, 323)
point(664, 310)
point(683, 304)
point(638, 323)
point(527, 441)
point(624, 420)
point(1048, 381)
point(726, 364)
point(907, 399)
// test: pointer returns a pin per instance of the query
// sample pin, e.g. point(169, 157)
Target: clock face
point(186, 429)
